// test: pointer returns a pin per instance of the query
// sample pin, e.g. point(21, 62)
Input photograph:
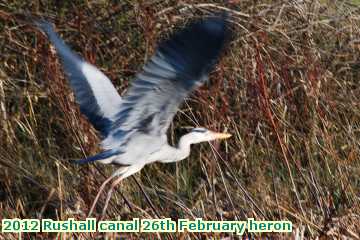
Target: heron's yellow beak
point(222, 135)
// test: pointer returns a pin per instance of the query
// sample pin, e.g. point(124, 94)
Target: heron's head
point(203, 135)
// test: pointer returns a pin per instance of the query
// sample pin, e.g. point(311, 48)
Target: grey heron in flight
point(133, 127)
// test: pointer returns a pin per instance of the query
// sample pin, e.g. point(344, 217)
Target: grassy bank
point(287, 89)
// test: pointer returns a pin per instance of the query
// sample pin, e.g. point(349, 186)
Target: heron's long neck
point(184, 146)
point(174, 154)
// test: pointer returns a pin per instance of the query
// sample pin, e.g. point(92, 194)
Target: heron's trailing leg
point(116, 173)
point(128, 172)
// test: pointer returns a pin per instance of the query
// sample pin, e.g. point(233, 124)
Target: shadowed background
point(287, 89)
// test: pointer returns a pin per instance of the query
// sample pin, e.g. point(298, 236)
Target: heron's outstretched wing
point(98, 99)
point(179, 65)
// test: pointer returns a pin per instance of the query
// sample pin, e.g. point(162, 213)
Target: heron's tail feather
point(104, 157)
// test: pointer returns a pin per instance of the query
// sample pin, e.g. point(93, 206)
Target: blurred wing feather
point(179, 65)
point(98, 99)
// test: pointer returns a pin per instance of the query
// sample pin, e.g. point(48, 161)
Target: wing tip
point(44, 25)
point(218, 27)
point(199, 45)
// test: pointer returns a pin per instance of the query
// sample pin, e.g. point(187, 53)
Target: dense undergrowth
point(287, 88)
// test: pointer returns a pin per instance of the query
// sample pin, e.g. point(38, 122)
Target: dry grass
point(287, 88)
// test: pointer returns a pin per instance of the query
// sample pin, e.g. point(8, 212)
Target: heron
point(133, 128)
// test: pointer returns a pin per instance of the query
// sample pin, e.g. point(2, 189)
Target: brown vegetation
point(287, 89)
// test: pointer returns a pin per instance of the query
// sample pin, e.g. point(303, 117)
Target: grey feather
point(180, 64)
